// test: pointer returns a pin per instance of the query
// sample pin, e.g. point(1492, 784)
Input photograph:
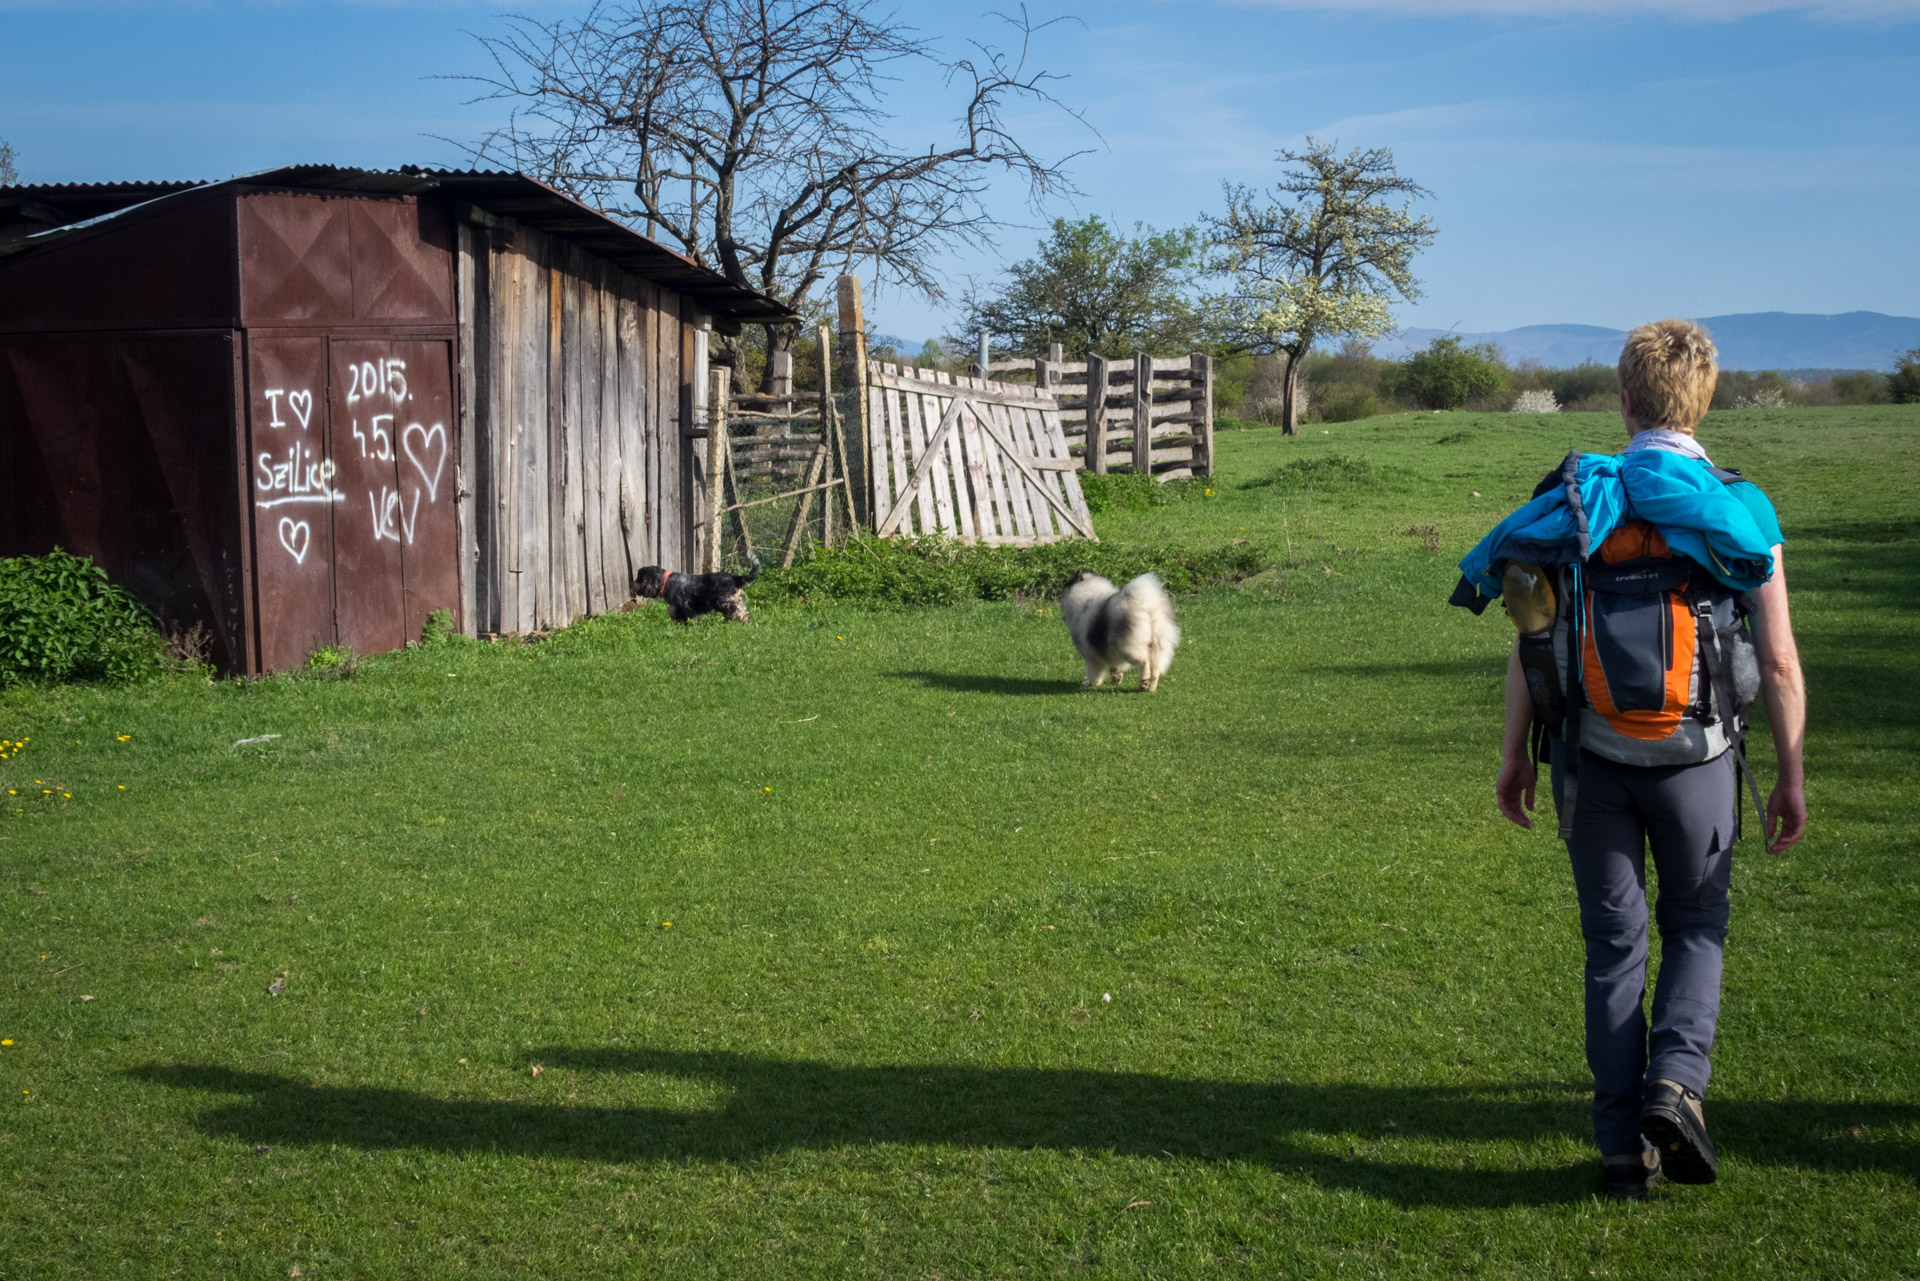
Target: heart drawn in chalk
point(296, 536)
point(301, 403)
point(427, 449)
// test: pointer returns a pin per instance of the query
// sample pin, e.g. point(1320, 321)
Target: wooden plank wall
point(578, 378)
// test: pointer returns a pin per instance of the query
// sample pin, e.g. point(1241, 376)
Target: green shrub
point(332, 663)
point(940, 571)
point(1903, 384)
point(61, 620)
point(1346, 403)
point(1335, 471)
point(1862, 388)
point(1120, 491)
point(1445, 376)
point(1126, 491)
point(438, 627)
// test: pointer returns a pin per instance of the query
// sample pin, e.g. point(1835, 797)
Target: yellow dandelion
point(6, 1042)
point(666, 925)
point(123, 787)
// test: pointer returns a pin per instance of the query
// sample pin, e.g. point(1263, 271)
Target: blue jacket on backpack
point(1684, 498)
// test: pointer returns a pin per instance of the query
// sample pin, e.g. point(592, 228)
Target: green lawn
point(969, 973)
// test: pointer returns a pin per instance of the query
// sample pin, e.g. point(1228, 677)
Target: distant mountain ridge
point(1753, 340)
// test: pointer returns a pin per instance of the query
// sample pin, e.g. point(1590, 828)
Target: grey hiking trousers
point(1688, 815)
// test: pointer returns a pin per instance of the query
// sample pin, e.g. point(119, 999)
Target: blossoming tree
point(1325, 260)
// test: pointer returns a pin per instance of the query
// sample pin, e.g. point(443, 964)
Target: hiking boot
point(1629, 1176)
point(1673, 1121)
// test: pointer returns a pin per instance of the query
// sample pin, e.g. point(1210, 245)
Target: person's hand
point(1515, 789)
point(1786, 817)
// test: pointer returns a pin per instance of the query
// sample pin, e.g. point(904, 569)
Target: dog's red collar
point(665, 574)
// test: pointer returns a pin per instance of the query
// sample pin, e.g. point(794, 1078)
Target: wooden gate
point(970, 459)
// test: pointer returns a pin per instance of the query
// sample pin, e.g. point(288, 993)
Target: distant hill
point(1757, 340)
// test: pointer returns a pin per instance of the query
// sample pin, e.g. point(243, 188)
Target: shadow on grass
point(1341, 1136)
point(967, 683)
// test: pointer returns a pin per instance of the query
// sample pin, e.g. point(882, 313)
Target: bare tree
point(9, 170)
point(750, 134)
point(1326, 261)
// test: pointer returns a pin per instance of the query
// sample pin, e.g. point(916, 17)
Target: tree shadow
point(1341, 1136)
point(966, 683)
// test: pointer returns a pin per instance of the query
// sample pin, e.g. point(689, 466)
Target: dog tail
point(753, 573)
point(1147, 599)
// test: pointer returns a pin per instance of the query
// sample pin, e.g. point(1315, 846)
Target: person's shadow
point(1342, 1136)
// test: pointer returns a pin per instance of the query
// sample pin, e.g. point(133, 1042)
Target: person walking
point(1638, 688)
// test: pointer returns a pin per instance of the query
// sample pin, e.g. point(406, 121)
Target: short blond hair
point(1669, 369)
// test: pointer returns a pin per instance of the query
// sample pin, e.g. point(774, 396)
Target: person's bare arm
point(1514, 789)
point(1785, 691)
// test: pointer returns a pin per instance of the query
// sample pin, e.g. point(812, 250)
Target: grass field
point(861, 942)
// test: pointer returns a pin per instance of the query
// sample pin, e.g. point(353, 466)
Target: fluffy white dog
point(1117, 629)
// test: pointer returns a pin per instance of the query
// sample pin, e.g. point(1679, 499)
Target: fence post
point(781, 362)
point(853, 374)
point(1047, 373)
point(830, 430)
point(719, 388)
point(1143, 413)
point(983, 358)
point(1097, 413)
point(1203, 430)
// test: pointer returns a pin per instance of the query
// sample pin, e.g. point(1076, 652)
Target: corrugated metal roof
point(503, 193)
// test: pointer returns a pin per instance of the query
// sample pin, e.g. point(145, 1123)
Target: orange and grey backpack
point(1637, 655)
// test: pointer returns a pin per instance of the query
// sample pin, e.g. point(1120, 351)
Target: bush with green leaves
point(1446, 375)
point(1346, 403)
point(62, 620)
point(1903, 384)
point(942, 571)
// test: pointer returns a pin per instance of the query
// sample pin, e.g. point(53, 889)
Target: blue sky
point(1600, 162)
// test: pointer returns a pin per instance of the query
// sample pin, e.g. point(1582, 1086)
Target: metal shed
point(310, 406)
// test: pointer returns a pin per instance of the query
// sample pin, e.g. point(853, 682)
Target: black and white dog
point(1117, 629)
point(690, 595)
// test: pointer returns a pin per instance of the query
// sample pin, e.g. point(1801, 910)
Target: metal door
point(296, 496)
point(427, 480)
point(366, 398)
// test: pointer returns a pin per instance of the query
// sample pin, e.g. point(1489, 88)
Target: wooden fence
point(1155, 415)
point(776, 473)
point(969, 458)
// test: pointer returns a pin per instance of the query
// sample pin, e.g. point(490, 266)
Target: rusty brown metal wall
point(291, 480)
point(122, 447)
point(312, 258)
point(244, 405)
point(347, 302)
point(172, 268)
